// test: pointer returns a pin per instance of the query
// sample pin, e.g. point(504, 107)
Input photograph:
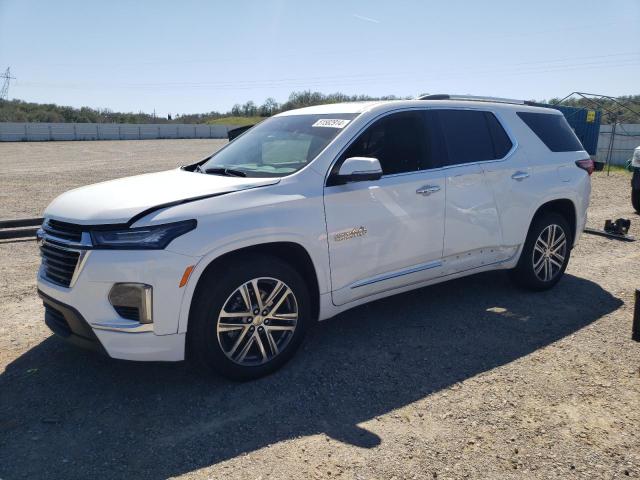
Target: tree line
point(21, 111)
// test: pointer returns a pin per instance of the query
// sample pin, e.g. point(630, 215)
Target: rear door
point(472, 225)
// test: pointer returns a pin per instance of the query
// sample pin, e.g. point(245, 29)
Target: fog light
point(132, 301)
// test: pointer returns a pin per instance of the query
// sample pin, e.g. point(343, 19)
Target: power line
point(4, 93)
point(345, 80)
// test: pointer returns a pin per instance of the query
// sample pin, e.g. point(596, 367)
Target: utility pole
point(4, 93)
point(612, 140)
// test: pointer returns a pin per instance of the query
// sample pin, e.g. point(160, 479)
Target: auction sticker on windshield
point(331, 123)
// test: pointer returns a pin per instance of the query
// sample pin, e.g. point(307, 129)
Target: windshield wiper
point(229, 172)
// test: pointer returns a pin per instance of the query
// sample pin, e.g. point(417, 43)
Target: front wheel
point(248, 317)
point(545, 254)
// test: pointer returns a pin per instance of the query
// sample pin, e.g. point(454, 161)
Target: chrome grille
point(58, 263)
point(63, 230)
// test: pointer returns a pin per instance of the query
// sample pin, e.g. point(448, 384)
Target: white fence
point(626, 139)
point(35, 132)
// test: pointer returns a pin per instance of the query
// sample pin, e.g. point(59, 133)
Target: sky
point(192, 56)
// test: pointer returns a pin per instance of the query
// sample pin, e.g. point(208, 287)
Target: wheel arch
point(562, 206)
point(290, 252)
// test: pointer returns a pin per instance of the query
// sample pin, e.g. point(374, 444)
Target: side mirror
point(359, 169)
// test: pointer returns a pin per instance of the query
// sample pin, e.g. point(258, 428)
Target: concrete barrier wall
point(626, 139)
point(38, 132)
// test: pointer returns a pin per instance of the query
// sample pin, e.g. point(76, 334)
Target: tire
point(244, 347)
point(530, 273)
point(635, 199)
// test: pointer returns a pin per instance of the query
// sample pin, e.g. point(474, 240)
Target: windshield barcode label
point(331, 123)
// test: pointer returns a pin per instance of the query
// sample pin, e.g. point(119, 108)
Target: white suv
point(228, 261)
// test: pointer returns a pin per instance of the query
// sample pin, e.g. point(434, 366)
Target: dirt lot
point(468, 379)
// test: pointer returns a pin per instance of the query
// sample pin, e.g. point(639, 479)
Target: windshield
point(278, 146)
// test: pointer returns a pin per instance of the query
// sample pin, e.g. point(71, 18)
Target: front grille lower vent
point(63, 230)
point(58, 263)
point(130, 313)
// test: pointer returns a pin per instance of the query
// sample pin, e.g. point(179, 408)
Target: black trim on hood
point(144, 213)
point(149, 210)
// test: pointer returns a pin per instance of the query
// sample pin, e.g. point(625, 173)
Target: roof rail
point(474, 98)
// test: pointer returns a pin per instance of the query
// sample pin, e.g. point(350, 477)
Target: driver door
point(388, 233)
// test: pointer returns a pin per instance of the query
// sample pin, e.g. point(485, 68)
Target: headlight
point(155, 237)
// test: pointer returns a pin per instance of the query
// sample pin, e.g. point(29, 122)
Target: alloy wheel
point(549, 252)
point(257, 321)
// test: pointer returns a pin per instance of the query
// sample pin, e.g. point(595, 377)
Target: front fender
point(320, 266)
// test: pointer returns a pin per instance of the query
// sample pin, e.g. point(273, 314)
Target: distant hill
point(247, 113)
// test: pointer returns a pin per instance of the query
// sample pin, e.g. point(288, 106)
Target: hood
point(128, 199)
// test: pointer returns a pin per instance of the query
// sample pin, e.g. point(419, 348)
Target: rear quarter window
point(501, 142)
point(553, 130)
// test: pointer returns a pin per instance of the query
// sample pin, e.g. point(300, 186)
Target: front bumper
point(83, 315)
point(66, 322)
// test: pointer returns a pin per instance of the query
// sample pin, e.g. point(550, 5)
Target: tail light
point(587, 165)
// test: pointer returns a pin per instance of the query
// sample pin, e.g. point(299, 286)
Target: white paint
point(116, 201)
point(421, 227)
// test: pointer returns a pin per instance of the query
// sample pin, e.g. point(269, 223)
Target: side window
point(397, 141)
point(501, 142)
point(467, 136)
point(553, 130)
point(436, 156)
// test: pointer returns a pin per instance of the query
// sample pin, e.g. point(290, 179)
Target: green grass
point(616, 168)
point(235, 121)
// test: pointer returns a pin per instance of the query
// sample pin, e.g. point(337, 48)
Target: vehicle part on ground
point(620, 226)
point(617, 230)
point(614, 236)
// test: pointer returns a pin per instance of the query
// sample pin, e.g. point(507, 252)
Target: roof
point(351, 107)
point(381, 105)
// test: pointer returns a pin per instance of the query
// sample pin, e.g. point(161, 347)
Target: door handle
point(520, 175)
point(428, 190)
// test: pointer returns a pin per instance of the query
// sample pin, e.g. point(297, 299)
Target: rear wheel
point(635, 199)
point(545, 254)
point(248, 317)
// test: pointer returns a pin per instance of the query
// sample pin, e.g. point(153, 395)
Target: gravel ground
point(467, 379)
